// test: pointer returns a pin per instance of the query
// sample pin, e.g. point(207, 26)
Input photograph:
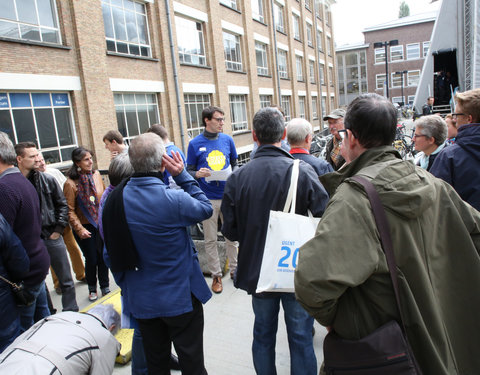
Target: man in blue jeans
point(20, 207)
point(250, 193)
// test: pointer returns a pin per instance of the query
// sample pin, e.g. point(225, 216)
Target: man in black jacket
point(54, 210)
point(250, 193)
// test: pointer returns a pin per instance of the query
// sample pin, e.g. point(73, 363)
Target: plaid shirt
point(335, 153)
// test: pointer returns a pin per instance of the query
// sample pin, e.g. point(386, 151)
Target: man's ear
point(470, 119)
point(254, 135)
point(19, 159)
point(284, 134)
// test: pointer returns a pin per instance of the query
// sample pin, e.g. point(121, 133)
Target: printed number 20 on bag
point(287, 232)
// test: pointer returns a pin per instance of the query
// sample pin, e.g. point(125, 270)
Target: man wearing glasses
point(459, 164)
point(208, 153)
point(342, 278)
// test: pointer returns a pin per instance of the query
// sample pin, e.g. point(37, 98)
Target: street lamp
point(386, 44)
point(401, 75)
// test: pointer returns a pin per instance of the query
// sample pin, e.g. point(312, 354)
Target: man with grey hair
point(145, 227)
point(250, 193)
point(299, 136)
point(20, 206)
point(69, 343)
point(335, 123)
point(430, 135)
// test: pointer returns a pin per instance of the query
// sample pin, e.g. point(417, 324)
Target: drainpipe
point(276, 54)
point(175, 76)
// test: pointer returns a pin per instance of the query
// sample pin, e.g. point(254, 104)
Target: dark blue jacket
point(169, 271)
point(251, 192)
point(459, 164)
point(14, 265)
point(321, 166)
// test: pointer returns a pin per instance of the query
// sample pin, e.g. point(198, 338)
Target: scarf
point(335, 153)
point(87, 194)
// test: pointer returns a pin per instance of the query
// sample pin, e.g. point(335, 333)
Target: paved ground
point(228, 332)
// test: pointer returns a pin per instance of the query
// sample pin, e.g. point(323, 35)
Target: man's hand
point(174, 165)
point(202, 172)
point(54, 236)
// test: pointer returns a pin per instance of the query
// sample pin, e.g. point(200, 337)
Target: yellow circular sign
point(216, 160)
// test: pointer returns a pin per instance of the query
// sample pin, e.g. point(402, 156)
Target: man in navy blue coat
point(459, 164)
point(146, 236)
point(299, 136)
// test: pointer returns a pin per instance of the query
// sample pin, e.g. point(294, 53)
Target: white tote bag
point(286, 232)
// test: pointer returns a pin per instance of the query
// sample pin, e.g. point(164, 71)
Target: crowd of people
point(138, 227)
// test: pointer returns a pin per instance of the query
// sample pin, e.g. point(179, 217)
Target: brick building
point(361, 67)
point(72, 70)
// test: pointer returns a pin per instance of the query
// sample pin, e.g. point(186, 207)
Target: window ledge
point(281, 32)
point(226, 6)
point(236, 71)
point(34, 43)
point(196, 66)
point(298, 39)
point(240, 132)
point(110, 53)
point(285, 79)
point(301, 80)
point(260, 22)
point(264, 75)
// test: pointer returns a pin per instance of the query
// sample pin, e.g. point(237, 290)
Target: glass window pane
point(142, 29)
point(134, 50)
point(143, 118)
point(122, 47)
point(23, 119)
point(6, 124)
point(53, 157)
point(45, 128)
point(153, 114)
point(20, 100)
point(9, 30)
point(131, 26)
point(26, 11)
point(128, 4)
point(121, 124)
point(66, 153)
point(49, 36)
point(30, 32)
point(45, 13)
point(60, 100)
point(64, 126)
point(119, 24)
point(107, 21)
point(7, 9)
point(140, 99)
point(132, 123)
point(41, 100)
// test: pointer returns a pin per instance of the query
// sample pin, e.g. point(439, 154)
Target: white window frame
point(397, 99)
point(311, 67)
point(283, 64)
point(416, 73)
point(314, 107)
point(378, 53)
point(265, 101)
point(426, 48)
point(127, 46)
point(279, 17)
point(194, 104)
point(198, 58)
point(258, 12)
point(413, 51)
point(301, 106)
point(299, 66)
point(396, 80)
point(296, 26)
point(380, 81)
point(262, 49)
point(394, 50)
point(238, 102)
point(320, 40)
point(330, 75)
point(286, 106)
point(321, 73)
point(229, 3)
point(308, 5)
point(410, 99)
point(309, 35)
point(324, 106)
point(36, 26)
point(231, 63)
point(126, 106)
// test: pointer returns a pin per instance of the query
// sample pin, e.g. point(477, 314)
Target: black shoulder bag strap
point(385, 240)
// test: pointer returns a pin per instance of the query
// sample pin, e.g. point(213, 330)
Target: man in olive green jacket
point(342, 277)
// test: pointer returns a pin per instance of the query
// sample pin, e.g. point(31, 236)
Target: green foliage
point(404, 10)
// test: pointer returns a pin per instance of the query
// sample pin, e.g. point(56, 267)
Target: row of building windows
point(413, 77)
point(47, 118)
point(397, 52)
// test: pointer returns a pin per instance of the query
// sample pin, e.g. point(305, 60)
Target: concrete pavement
point(228, 332)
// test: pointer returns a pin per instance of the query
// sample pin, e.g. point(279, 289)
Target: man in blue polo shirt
point(213, 151)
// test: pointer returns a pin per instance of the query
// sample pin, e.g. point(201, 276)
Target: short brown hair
point(113, 135)
point(21, 146)
point(470, 102)
point(158, 130)
point(208, 112)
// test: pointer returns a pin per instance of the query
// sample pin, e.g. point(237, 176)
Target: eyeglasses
point(419, 135)
point(219, 119)
point(342, 133)
point(455, 115)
